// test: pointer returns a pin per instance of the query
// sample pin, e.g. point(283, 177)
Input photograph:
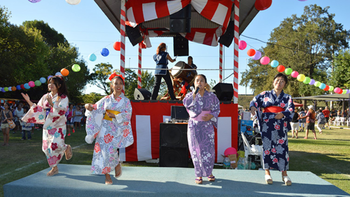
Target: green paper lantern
point(6, 89)
point(37, 83)
point(331, 88)
point(76, 68)
point(288, 71)
point(307, 80)
point(317, 84)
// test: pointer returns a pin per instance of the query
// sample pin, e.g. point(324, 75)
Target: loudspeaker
point(227, 37)
point(142, 94)
point(179, 113)
point(224, 91)
point(180, 22)
point(180, 46)
point(133, 34)
point(173, 150)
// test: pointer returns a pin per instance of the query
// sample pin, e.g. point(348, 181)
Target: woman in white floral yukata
point(109, 122)
point(50, 111)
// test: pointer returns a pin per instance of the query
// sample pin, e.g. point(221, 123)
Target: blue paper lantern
point(49, 77)
point(18, 87)
point(26, 86)
point(42, 80)
point(92, 57)
point(58, 74)
point(105, 52)
point(322, 86)
point(274, 63)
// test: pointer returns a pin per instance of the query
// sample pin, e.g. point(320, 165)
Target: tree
point(90, 98)
point(340, 77)
point(100, 74)
point(305, 44)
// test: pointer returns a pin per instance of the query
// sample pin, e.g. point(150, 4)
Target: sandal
point(268, 179)
point(108, 180)
point(199, 180)
point(211, 178)
point(120, 171)
point(52, 172)
point(68, 153)
point(286, 180)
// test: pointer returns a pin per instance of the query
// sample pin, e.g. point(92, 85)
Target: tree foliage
point(306, 44)
point(340, 77)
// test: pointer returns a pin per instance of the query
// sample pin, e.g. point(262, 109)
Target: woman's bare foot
point(53, 171)
point(108, 180)
point(118, 170)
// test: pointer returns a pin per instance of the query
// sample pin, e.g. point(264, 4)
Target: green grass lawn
point(328, 156)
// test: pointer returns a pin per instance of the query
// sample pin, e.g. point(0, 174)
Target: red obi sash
point(273, 109)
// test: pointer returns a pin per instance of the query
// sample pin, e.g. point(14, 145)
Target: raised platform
point(75, 180)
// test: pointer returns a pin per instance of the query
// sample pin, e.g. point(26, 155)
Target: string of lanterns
point(64, 72)
point(256, 55)
point(71, 2)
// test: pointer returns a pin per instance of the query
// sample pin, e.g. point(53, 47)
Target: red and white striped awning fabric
point(217, 11)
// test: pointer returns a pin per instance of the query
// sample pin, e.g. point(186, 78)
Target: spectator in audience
point(321, 120)
point(326, 114)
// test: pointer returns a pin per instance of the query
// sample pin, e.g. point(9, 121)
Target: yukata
point(273, 131)
point(200, 134)
point(110, 134)
point(54, 125)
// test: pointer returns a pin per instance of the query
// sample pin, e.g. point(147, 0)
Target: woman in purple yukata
point(109, 122)
point(203, 108)
point(50, 111)
point(274, 123)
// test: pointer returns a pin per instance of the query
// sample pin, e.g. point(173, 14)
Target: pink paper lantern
point(242, 45)
point(294, 74)
point(31, 84)
point(230, 151)
point(265, 60)
point(337, 90)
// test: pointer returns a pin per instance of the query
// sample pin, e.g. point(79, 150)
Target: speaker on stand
point(173, 145)
point(142, 94)
point(180, 22)
point(224, 91)
point(227, 37)
point(133, 34)
point(180, 46)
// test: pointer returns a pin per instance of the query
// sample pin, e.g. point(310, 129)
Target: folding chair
point(250, 150)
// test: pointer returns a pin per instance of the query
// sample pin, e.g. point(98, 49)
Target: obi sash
point(200, 116)
point(106, 117)
point(273, 109)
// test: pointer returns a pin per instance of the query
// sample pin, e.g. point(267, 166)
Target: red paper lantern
point(22, 86)
point(116, 46)
point(281, 68)
point(251, 52)
point(262, 4)
point(341, 91)
point(326, 88)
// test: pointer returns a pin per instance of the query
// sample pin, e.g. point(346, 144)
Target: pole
point(236, 39)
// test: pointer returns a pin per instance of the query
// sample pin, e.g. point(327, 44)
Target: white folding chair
point(336, 121)
point(342, 121)
point(250, 150)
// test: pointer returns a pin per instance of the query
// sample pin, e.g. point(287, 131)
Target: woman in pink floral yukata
point(109, 122)
point(50, 111)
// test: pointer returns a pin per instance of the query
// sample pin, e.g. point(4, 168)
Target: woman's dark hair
point(60, 84)
point(160, 47)
point(110, 85)
point(205, 78)
point(283, 76)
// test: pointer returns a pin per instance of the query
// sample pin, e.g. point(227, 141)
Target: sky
point(86, 27)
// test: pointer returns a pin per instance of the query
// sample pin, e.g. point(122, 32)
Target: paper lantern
point(301, 77)
point(322, 86)
point(337, 90)
point(65, 72)
point(344, 91)
point(58, 74)
point(307, 80)
point(331, 88)
point(274, 63)
point(326, 88)
point(37, 83)
point(6, 89)
point(251, 52)
point(31, 84)
point(22, 86)
point(242, 45)
point(280, 68)
point(288, 71)
point(50, 76)
point(230, 151)
point(26, 86)
point(18, 87)
point(92, 57)
point(13, 88)
point(257, 55)
point(116, 46)
point(317, 84)
point(76, 67)
point(294, 74)
point(73, 2)
point(340, 91)
point(34, 1)
point(42, 80)
point(265, 60)
point(312, 82)
point(2, 90)
point(9, 89)
point(262, 4)
point(105, 52)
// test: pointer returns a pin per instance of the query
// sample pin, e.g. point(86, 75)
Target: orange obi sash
point(273, 109)
point(106, 117)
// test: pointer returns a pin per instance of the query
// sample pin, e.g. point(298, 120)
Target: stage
point(76, 180)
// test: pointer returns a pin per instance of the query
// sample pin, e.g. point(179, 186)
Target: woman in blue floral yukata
point(274, 123)
point(109, 122)
point(203, 108)
point(50, 111)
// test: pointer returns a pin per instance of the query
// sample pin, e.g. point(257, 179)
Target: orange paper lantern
point(64, 72)
point(14, 88)
point(251, 52)
point(116, 46)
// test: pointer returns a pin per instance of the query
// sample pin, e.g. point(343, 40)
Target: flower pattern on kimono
point(57, 134)
point(44, 144)
point(60, 131)
point(54, 146)
point(41, 117)
point(97, 147)
point(61, 112)
point(279, 149)
point(111, 159)
point(285, 124)
point(108, 138)
point(53, 160)
point(275, 160)
point(37, 109)
point(32, 120)
point(106, 170)
point(267, 152)
point(125, 123)
point(126, 132)
point(55, 118)
point(118, 99)
point(52, 131)
point(273, 150)
point(111, 150)
point(280, 141)
point(282, 105)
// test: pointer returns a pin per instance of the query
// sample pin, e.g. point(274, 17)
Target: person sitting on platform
point(161, 58)
point(185, 85)
point(203, 108)
point(109, 122)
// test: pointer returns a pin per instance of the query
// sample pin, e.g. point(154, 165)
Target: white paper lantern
point(73, 2)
